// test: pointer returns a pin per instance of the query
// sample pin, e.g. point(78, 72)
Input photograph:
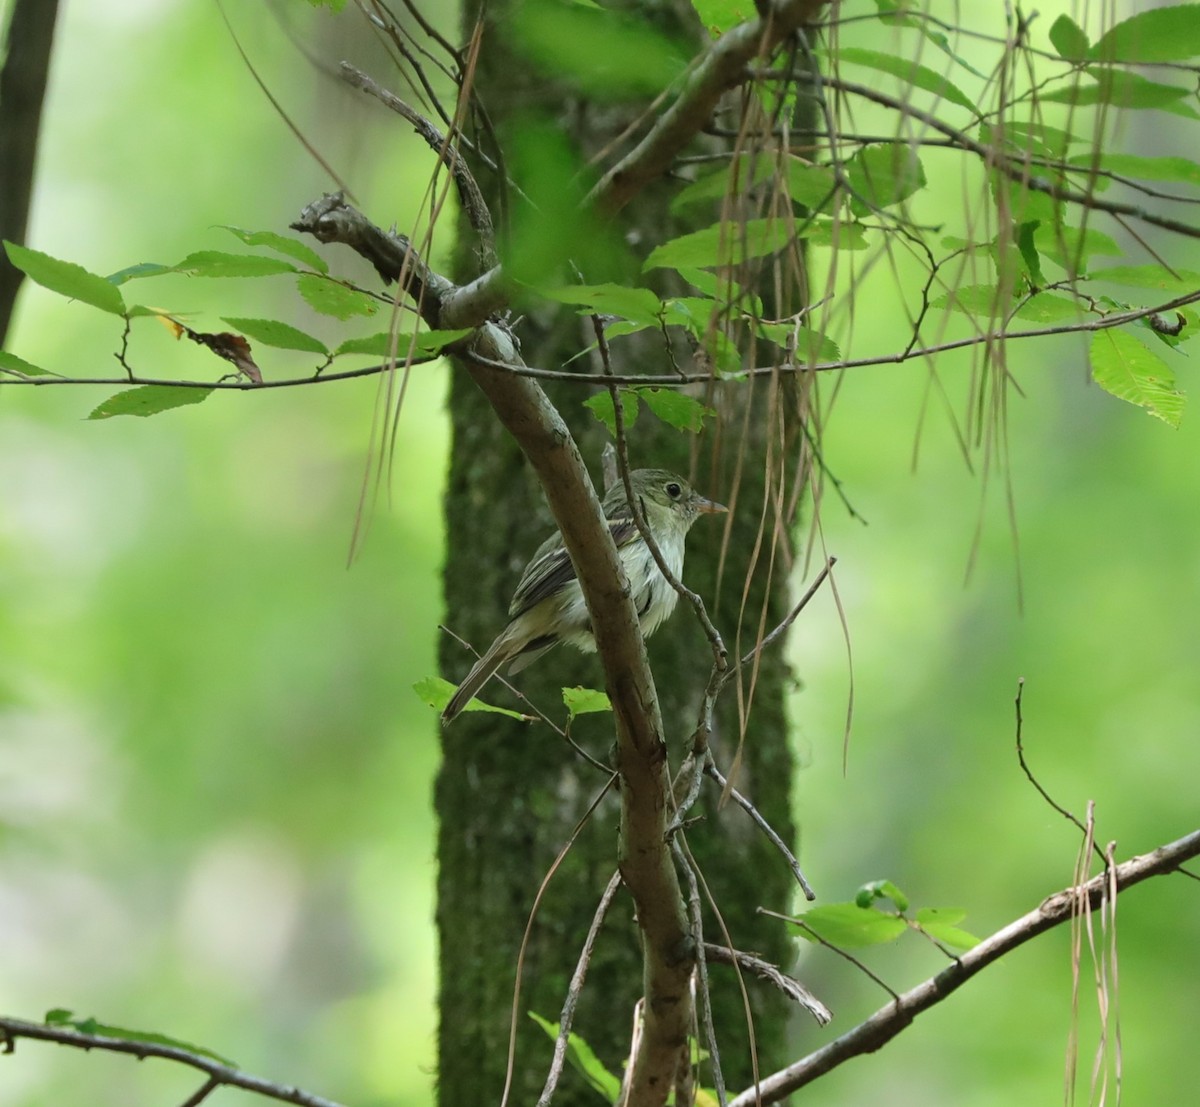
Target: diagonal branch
point(889, 1021)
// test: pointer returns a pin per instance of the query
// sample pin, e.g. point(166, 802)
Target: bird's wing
point(551, 568)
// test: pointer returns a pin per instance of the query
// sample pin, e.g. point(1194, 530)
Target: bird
point(548, 605)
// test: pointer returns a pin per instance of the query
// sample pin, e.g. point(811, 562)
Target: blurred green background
point(214, 776)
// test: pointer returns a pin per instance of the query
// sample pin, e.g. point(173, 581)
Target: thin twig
point(574, 990)
point(772, 835)
point(226, 1075)
point(773, 975)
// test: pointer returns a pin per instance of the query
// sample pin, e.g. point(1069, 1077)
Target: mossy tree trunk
point(510, 793)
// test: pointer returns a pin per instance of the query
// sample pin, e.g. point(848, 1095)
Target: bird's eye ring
point(674, 491)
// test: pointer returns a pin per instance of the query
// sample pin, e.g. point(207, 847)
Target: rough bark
point(509, 794)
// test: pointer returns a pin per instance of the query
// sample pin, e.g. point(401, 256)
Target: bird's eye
point(674, 491)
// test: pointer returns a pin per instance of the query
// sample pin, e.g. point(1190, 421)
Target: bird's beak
point(709, 507)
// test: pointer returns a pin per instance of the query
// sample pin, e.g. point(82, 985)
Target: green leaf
point(892, 14)
point(1029, 255)
point(585, 701)
point(882, 176)
point(66, 278)
point(425, 344)
point(283, 336)
point(1032, 137)
point(216, 263)
point(282, 243)
point(436, 692)
point(149, 399)
point(739, 174)
point(1121, 90)
point(881, 889)
point(909, 73)
point(1154, 35)
point(603, 53)
point(601, 406)
point(1153, 277)
point(810, 345)
point(982, 300)
point(676, 409)
point(1069, 39)
point(1045, 307)
point(61, 1016)
point(331, 297)
point(733, 242)
point(940, 923)
point(1146, 169)
point(725, 243)
point(1071, 249)
point(850, 926)
point(638, 305)
point(719, 16)
point(1132, 372)
point(142, 269)
point(10, 363)
point(584, 1060)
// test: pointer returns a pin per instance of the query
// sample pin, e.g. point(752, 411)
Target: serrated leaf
point(1045, 307)
point(1023, 237)
point(721, 244)
point(282, 243)
point(601, 406)
point(719, 16)
point(676, 409)
point(1154, 35)
point(283, 336)
point(881, 889)
point(1121, 90)
point(883, 175)
point(149, 399)
point(217, 263)
point(331, 297)
point(584, 1060)
point(66, 278)
point(61, 1016)
point(425, 344)
point(892, 14)
point(585, 701)
point(975, 299)
point(733, 178)
point(1144, 169)
point(1123, 366)
point(1153, 277)
point(436, 692)
point(1071, 249)
point(941, 923)
point(850, 926)
point(1069, 39)
point(136, 272)
point(810, 345)
point(10, 363)
point(909, 72)
point(639, 305)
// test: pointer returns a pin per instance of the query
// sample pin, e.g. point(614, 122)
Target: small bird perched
point(548, 606)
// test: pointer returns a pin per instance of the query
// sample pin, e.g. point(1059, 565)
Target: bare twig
point(567, 1017)
point(11, 1030)
point(468, 191)
point(772, 836)
point(773, 975)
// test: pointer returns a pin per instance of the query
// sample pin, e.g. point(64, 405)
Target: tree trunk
point(509, 793)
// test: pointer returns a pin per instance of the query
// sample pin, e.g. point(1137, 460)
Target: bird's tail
point(481, 672)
